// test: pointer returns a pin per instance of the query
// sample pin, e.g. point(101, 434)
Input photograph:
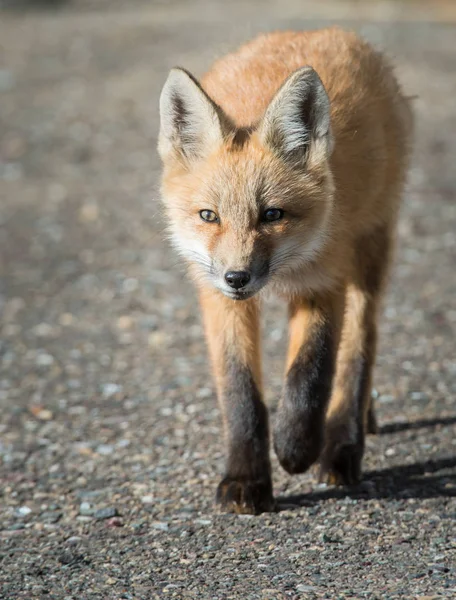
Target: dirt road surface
point(110, 437)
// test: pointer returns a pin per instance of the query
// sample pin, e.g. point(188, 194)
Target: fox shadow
point(433, 478)
point(413, 425)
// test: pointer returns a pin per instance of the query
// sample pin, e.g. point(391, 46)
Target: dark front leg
point(247, 485)
point(233, 337)
point(314, 337)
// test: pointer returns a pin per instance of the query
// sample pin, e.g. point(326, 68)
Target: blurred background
point(105, 391)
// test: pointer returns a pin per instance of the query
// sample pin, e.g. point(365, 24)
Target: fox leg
point(232, 330)
point(315, 327)
point(351, 414)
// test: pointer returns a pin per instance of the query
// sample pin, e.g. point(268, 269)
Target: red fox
point(283, 171)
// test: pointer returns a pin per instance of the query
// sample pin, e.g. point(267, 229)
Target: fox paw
point(340, 463)
point(296, 444)
point(245, 497)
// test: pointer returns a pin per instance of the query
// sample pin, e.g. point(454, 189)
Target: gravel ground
point(110, 433)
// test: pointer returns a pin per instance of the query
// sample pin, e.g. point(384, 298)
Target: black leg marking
point(247, 486)
point(298, 438)
point(345, 431)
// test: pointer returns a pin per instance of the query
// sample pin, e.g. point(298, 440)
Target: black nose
point(237, 279)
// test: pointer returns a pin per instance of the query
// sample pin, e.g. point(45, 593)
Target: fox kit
point(283, 171)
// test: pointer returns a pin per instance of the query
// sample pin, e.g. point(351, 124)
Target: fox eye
point(272, 214)
point(209, 216)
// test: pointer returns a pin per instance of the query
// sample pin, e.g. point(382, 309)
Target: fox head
point(247, 207)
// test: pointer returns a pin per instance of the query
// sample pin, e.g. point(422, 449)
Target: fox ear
point(190, 122)
point(298, 118)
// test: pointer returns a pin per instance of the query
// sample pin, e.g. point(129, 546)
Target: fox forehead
point(238, 181)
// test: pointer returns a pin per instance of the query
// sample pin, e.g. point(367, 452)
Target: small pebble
point(130, 285)
point(105, 449)
point(110, 389)
point(123, 443)
point(68, 557)
point(160, 525)
point(124, 322)
point(51, 516)
point(86, 509)
point(88, 213)
point(66, 319)
point(23, 511)
point(45, 330)
point(147, 499)
point(83, 518)
point(45, 415)
point(105, 513)
point(73, 540)
point(203, 521)
point(44, 360)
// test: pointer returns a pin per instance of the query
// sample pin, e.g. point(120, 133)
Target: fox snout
point(243, 283)
point(239, 261)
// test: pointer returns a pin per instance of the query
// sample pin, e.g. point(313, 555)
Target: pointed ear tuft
point(298, 118)
point(190, 122)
